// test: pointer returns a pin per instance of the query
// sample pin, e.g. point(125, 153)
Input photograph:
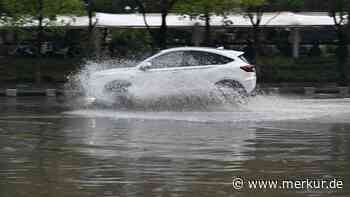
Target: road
point(50, 147)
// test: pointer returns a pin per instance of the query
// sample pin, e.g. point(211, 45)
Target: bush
point(130, 43)
point(306, 69)
point(22, 70)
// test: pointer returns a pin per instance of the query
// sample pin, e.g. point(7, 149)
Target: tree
point(114, 6)
point(90, 7)
point(163, 7)
point(106, 6)
point(339, 10)
point(9, 15)
point(205, 9)
point(41, 13)
point(255, 9)
point(315, 5)
point(3, 12)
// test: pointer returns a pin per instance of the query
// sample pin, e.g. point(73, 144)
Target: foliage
point(9, 13)
point(256, 8)
point(273, 5)
point(21, 69)
point(201, 7)
point(40, 13)
point(130, 43)
point(253, 3)
point(204, 9)
point(163, 7)
point(306, 69)
point(155, 6)
point(339, 10)
point(278, 69)
point(117, 6)
point(114, 6)
point(104, 6)
point(25, 11)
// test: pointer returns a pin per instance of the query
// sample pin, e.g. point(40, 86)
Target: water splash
point(184, 92)
point(197, 101)
point(259, 109)
point(78, 83)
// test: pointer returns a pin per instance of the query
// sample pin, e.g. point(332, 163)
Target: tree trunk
point(90, 41)
point(342, 55)
point(207, 37)
point(40, 34)
point(162, 37)
point(256, 40)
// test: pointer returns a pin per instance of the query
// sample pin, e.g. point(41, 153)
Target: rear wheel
point(232, 91)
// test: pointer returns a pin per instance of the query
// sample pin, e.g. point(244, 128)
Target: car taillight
point(248, 68)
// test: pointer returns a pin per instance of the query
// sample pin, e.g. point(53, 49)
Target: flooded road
point(50, 149)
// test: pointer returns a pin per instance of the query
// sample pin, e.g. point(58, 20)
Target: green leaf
point(20, 12)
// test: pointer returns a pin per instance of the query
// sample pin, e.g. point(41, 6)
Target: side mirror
point(145, 66)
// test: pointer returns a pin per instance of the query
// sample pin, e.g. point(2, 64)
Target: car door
point(201, 69)
point(159, 78)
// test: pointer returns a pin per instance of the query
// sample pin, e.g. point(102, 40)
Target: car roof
point(229, 53)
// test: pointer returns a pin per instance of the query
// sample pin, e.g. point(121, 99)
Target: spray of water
point(194, 100)
point(182, 92)
point(78, 83)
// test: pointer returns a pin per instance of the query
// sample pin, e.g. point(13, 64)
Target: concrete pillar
point(296, 39)
point(343, 91)
point(310, 91)
point(11, 92)
point(51, 92)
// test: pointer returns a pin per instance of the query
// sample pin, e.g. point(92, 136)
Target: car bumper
point(249, 84)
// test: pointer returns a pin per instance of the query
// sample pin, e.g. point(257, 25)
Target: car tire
point(232, 91)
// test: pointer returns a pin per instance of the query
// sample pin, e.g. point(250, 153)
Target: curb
point(310, 92)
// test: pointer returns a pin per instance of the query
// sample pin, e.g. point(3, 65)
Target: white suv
point(176, 71)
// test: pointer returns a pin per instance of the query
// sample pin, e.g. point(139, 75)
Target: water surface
point(49, 148)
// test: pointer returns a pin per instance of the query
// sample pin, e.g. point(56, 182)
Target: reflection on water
point(47, 151)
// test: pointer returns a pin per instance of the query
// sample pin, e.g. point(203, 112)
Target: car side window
point(168, 60)
point(201, 58)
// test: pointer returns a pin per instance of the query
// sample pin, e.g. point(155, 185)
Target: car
point(175, 72)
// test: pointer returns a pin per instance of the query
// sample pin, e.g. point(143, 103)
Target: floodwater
point(48, 148)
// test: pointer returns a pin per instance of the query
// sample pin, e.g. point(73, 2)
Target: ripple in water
point(258, 109)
